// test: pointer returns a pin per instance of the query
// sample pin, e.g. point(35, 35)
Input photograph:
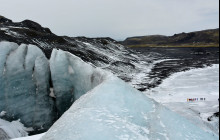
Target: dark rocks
point(215, 115)
point(34, 26)
point(4, 20)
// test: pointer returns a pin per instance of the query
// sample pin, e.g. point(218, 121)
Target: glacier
point(114, 110)
point(102, 106)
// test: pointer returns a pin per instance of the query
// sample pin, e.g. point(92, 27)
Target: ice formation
point(115, 111)
point(71, 78)
point(24, 90)
point(6, 48)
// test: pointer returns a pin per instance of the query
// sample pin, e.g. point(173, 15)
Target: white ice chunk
point(52, 93)
point(3, 113)
point(14, 129)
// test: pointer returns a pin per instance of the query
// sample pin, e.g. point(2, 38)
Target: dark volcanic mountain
point(101, 52)
point(200, 38)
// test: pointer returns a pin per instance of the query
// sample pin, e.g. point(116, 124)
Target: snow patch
point(3, 113)
point(52, 93)
point(71, 71)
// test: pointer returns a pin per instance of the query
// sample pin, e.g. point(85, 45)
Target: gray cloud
point(115, 18)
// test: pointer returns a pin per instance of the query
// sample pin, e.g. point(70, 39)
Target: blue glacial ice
point(24, 90)
point(71, 78)
point(6, 48)
point(113, 110)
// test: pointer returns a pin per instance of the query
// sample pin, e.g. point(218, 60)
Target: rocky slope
point(101, 52)
point(200, 38)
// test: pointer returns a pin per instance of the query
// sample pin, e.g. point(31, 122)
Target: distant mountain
point(199, 38)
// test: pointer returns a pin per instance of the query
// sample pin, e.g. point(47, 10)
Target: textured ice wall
point(115, 111)
point(24, 90)
point(71, 78)
point(25, 83)
point(6, 49)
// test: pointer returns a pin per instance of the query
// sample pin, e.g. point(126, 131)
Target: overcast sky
point(115, 18)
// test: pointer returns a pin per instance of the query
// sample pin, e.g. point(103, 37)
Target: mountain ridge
point(30, 32)
point(204, 38)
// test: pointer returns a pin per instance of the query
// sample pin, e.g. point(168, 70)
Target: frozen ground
point(196, 83)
